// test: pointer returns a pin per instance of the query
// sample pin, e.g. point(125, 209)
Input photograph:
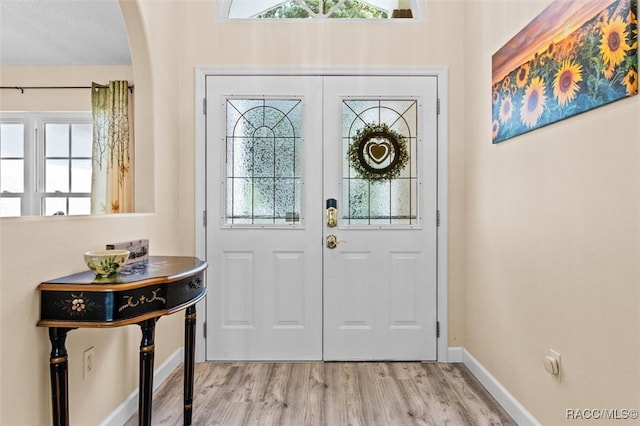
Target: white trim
point(455, 354)
point(511, 405)
point(128, 408)
point(443, 207)
point(200, 206)
point(201, 73)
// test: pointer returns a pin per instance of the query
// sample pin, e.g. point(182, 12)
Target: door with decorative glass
point(381, 166)
point(288, 280)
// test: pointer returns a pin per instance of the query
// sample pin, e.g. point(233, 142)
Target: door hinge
point(204, 218)
point(204, 106)
point(437, 329)
point(438, 106)
point(204, 329)
point(437, 217)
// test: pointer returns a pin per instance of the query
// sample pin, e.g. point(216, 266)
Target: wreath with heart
point(378, 153)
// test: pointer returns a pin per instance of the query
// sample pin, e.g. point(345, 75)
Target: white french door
point(280, 149)
point(380, 283)
point(264, 143)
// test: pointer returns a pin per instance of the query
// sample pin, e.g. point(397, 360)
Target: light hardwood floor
point(331, 393)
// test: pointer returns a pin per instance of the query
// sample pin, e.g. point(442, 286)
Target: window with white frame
point(320, 9)
point(45, 163)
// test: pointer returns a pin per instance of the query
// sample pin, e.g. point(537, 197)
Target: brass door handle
point(332, 241)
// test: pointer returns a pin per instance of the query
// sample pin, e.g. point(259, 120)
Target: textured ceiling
point(62, 32)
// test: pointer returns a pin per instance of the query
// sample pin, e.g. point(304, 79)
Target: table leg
point(189, 357)
point(147, 352)
point(58, 368)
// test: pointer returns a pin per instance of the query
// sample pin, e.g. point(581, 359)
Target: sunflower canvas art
point(575, 56)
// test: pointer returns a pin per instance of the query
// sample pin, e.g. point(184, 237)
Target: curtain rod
point(23, 88)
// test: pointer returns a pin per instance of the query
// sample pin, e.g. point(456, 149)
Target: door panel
point(265, 226)
point(380, 282)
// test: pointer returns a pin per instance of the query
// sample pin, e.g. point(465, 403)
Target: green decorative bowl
point(105, 263)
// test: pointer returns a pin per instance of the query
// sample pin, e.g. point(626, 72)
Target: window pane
point(81, 140)
point(401, 210)
point(79, 205)
point(263, 161)
point(10, 206)
point(55, 162)
point(239, 200)
point(263, 201)
point(55, 206)
point(12, 140)
point(350, 9)
point(264, 157)
point(56, 140)
point(57, 176)
point(12, 175)
point(380, 201)
point(287, 162)
point(356, 195)
point(80, 175)
point(379, 162)
point(240, 157)
point(285, 201)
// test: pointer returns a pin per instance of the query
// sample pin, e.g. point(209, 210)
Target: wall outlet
point(88, 362)
point(552, 363)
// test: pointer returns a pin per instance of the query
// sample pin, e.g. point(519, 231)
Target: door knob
point(332, 241)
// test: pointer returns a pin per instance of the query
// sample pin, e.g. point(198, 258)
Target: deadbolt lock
point(332, 212)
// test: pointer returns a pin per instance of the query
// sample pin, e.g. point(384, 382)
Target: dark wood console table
point(140, 294)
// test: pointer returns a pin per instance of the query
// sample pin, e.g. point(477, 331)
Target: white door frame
point(441, 73)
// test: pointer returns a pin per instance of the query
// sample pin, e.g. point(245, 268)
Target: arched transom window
point(320, 9)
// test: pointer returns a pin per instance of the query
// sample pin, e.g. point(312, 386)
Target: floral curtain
point(112, 185)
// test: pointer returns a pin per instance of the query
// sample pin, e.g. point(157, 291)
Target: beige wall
point(61, 75)
point(552, 222)
point(39, 248)
point(169, 39)
point(543, 229)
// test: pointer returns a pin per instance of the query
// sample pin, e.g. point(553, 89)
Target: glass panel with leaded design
point(263, 178)
point(380, 172)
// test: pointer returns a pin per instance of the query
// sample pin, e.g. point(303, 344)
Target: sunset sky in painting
point(556, 22)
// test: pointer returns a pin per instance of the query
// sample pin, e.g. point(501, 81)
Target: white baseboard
point(499, 392)
point(129, 407)
point(454, 354)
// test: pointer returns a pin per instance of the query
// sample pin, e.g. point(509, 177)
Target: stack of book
point(139, 250)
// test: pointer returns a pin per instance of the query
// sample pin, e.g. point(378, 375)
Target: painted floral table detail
point(140, 294)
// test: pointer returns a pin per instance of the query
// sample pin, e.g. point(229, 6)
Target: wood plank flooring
point(331, 394)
